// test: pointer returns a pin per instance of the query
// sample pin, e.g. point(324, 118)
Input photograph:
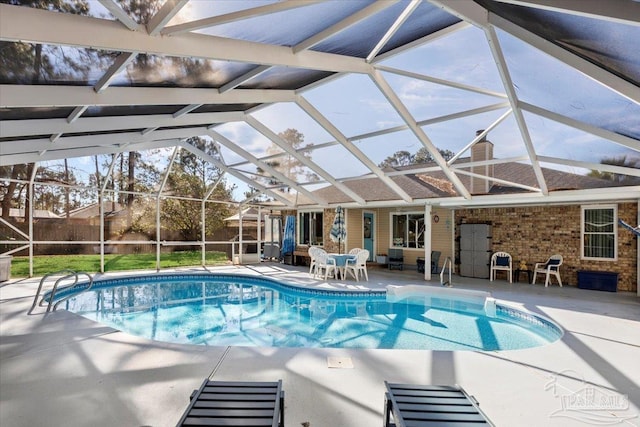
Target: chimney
point(481, 150)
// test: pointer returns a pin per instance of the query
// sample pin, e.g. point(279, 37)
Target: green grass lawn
point(45, 264)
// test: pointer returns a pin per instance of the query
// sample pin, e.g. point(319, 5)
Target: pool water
point(243, 311)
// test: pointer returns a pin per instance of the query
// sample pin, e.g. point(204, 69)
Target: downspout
point(427, 242)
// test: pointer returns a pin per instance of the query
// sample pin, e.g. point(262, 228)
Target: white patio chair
point(313, 252)
point(501, 261)
point(354, 251)
point(326, 263)
point(549, 268)
point(358, 265)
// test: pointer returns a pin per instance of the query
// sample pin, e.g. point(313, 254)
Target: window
point(599, 238)
point(310, 229)
point(408, 230)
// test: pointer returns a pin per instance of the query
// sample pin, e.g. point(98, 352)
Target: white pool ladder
point(66, 275)
point(448, 283)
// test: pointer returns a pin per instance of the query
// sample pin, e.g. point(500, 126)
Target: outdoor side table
point(529, 274)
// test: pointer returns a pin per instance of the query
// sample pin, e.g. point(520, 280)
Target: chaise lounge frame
point(431, 405)
point(236, 403)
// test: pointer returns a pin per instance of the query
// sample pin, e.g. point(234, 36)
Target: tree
point(286, 164)
point(193, 177)
point(27, 63)
point(621, 179)
point(405, 158)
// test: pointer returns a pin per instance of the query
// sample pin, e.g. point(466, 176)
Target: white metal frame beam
point(257, 125)
point(313, 40)
point(219, 164)
point(355, 151)
point(617, 138)
point(405, 114)
point(17, 128)
point(221, 139)
point(122, 16)
point(623, 12)
point(236, 16)
point(589, 69)
point(406, 13)
point(478, 16)
point(169, 9)
point(74, 150)
point(20, 23)
point(19, 96)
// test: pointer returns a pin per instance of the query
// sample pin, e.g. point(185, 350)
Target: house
point(19, 214)
point(585, 233)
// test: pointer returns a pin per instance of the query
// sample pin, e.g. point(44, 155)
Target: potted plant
point(381, 258)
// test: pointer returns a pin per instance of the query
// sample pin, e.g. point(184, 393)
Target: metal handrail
point(69, 274)
point(72, 294)
point(444, 266)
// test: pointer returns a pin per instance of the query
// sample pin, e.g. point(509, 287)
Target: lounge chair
point(431, 405)
point(396, 259)
point(501, 261)
point(237, 403)
point(549, 268)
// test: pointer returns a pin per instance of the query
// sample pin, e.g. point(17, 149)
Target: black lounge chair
point(431, 405)
point(236, 403)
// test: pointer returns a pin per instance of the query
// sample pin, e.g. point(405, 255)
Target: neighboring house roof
point(37, 213)
point(248, 214)
point(436, 185)
point(93, 210)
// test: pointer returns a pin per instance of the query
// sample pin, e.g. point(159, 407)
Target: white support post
point(101, 207)
point(259, 223)
point(31, 179)
point(158, 232)
point(102, 190)
point(240, 233)
point(204, 231)
point(427, 242)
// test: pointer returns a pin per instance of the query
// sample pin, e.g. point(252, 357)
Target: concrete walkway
point(62, 369)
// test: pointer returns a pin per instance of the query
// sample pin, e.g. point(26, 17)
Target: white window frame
point(583, 234)
point(299, 227)
point(391, 215)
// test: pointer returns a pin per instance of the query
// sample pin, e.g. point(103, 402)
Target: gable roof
point(434, 185)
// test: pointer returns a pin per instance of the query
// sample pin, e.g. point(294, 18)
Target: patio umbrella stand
point(338, 231)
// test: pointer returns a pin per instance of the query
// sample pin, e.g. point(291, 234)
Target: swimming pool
point(235, 310)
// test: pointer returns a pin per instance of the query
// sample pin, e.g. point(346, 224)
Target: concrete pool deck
point(62, 369)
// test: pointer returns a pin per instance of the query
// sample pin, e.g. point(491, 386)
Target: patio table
point(341, 262)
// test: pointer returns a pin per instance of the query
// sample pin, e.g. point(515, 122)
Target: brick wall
point(535, 233)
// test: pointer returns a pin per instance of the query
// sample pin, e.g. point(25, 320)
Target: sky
point(356, 106)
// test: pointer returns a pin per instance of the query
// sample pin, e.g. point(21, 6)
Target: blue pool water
point(225, 310)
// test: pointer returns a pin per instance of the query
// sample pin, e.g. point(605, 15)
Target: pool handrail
point(444, 266)
point(68, 274)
